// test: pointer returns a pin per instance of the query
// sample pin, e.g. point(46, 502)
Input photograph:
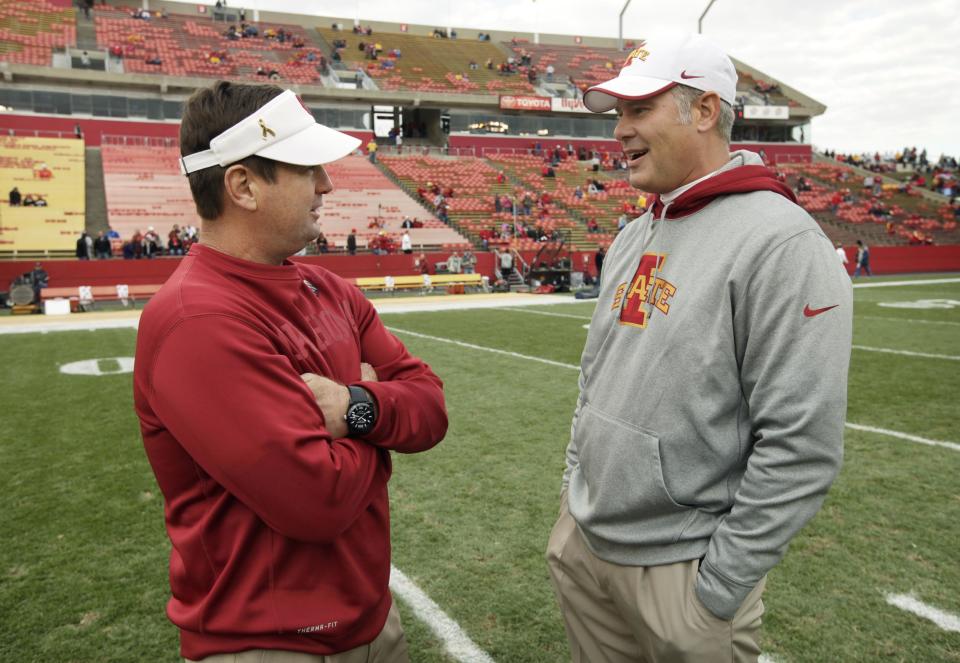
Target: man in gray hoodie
point(712, 387)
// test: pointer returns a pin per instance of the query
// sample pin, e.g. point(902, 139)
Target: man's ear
point(240, 187)
point(707, 107)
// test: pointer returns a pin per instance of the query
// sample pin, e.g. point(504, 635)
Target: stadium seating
point(907, 219)
point(362, 194)
point(54, 169)
point(144, 187)
point(472, 208)
point(29, 31)
point(184, 45)
point(605, 207)
point(584, 65)
point(429, 65)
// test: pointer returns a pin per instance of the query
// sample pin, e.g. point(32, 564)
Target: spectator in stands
point(84, 247)
point(598, 261)
point(101, 246)
point(86, 5)
point(863, 259)
point(406, 223)
point(154, 60)
point(174, 241)
point(14, 197)
point(29, 200)
point(43, 171)
point(84, 59)
point(406, 244)
point(506, 263)
point(40, 201)
point(352, 242)
point(454, 264)
point(842, 254)
point(39, 279)
point(151, 243)
point(323, 244)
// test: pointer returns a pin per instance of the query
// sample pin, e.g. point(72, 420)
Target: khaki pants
point(389, 646)
point(621, 614)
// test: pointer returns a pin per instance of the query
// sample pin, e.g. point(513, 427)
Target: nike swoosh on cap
point(685, 75)
point(810, 312)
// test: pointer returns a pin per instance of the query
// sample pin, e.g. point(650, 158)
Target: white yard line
point(906, 353)
point(482, 348)
point(553, 315)
point(953, 446)
point(78, 325)
point(457, 643)
point(466, 303)
point(888, 284)
point(942, 618)
point(910, 320)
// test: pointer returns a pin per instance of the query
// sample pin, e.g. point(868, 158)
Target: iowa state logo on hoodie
point(646, 287)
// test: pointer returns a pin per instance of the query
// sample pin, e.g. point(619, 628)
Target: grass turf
point(83, 573)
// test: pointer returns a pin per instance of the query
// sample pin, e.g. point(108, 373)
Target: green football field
point(83, 565)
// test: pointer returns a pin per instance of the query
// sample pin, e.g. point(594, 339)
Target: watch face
point(360, 417)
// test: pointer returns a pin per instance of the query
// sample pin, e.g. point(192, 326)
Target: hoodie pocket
point(622, 476)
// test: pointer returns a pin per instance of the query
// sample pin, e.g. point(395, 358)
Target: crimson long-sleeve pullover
point(281, 534)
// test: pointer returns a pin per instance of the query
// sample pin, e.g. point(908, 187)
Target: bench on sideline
point(423, 282)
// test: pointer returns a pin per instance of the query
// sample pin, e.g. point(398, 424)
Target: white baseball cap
point(282, 130)
point(656, 65)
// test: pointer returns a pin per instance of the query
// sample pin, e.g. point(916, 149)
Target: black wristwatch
point(361, 414)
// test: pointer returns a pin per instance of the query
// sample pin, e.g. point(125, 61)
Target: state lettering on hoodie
point(646, 287)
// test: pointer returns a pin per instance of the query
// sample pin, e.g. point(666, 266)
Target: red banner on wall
point(509, 102)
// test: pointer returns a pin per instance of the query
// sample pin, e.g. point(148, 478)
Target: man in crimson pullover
point(270, 396)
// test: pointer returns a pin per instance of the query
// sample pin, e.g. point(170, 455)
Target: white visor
point(282, 130)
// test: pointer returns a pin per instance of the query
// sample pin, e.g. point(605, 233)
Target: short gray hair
point(684, 96)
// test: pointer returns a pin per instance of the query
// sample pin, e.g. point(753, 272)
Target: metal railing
point(140, 141)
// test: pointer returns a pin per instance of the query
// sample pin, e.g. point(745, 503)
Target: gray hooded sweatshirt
point(713, 388)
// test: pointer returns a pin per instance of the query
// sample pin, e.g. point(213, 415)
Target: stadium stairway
point(86, 33)
point(96, 194)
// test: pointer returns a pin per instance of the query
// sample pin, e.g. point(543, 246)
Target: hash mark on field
point(907, 353)
point(910, 603)
point(457, 643)
point(953, 446)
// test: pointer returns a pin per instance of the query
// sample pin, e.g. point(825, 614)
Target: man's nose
point(622, 130)
point(322, 183)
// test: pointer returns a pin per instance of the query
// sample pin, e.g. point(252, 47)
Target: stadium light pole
point(620, 33)
point(700, 22)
